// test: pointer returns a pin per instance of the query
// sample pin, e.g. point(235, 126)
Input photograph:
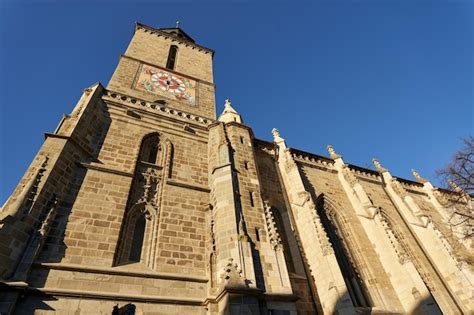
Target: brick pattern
point(152, 49)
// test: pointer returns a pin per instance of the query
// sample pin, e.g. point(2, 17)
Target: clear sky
point(386, 79)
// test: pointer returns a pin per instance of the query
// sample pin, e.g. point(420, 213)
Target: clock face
point(161, 82)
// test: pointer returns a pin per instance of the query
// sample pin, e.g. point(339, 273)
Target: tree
point(458, 176)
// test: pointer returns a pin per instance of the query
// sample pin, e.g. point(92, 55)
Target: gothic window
point(170, 64)
point(137, 239)
point(149, 149)
point(351, 278)
point(136, 243)
point(152, 154)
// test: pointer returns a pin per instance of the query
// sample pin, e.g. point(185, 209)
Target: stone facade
point(142, 202)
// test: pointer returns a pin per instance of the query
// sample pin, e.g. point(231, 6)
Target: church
point(145, 201)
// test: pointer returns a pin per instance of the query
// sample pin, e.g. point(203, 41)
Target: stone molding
point(177, 183)
point(122, 272)
point(156, 108)
point(311, 158)
point(117, 296)
point(104, 168)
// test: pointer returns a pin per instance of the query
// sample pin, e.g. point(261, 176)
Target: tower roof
point(230, 114)
point(175, 32)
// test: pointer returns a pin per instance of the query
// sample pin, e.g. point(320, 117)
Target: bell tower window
point(172, 57)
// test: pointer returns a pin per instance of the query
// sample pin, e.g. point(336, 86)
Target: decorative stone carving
point(322, 235)
point(332, 153)
point(401, 252)
point(418, 178)
point(378, 166)
point(273, 234)
point(51, 213)
point(37, 239)
point(276, 135)
point(23, 203)
point(233, 276)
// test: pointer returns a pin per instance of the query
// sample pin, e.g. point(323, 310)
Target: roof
point(176, 33)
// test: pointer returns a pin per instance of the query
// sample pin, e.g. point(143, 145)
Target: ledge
point(118, 296)
point(106, 169)
point(67, 138)
point(157, 109)
point(122, 272)
point(174, 182)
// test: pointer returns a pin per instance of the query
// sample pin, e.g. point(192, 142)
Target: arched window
point(149, 149)
point(137, 239)
point(172, 57)
point(135, 242)
point(351, 278)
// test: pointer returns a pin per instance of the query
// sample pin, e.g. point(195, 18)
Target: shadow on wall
point(54, 249)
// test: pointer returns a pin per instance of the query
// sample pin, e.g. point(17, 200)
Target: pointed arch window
point(139, 222)
point(173, 53)
point(333, 227)
point(137, 239)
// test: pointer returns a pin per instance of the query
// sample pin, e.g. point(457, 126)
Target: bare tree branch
point(458, 177)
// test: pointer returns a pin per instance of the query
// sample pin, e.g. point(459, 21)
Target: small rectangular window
point(251, 199)
point(172, 57)
point(257, 234)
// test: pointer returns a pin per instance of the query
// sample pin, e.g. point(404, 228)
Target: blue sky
point(386, 79)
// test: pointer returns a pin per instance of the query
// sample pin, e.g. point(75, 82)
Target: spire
point(230, 114)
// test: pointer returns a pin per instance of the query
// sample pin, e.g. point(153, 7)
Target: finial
point(177, 23)
point(417, 176)
point(453, 185)
point(378, 166)
point(276, 134)
point(332, 152)
point(227, 103)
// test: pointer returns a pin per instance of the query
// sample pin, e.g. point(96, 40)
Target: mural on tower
point(160, 82)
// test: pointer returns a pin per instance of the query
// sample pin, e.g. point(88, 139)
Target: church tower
point(133, 201)
point(143, 201)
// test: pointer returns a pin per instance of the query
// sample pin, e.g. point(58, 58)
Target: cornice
point(365, 173)
point(265, 146)
point(156, 108)
point(240, 125)
point(312, 159)
point(166, 35)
